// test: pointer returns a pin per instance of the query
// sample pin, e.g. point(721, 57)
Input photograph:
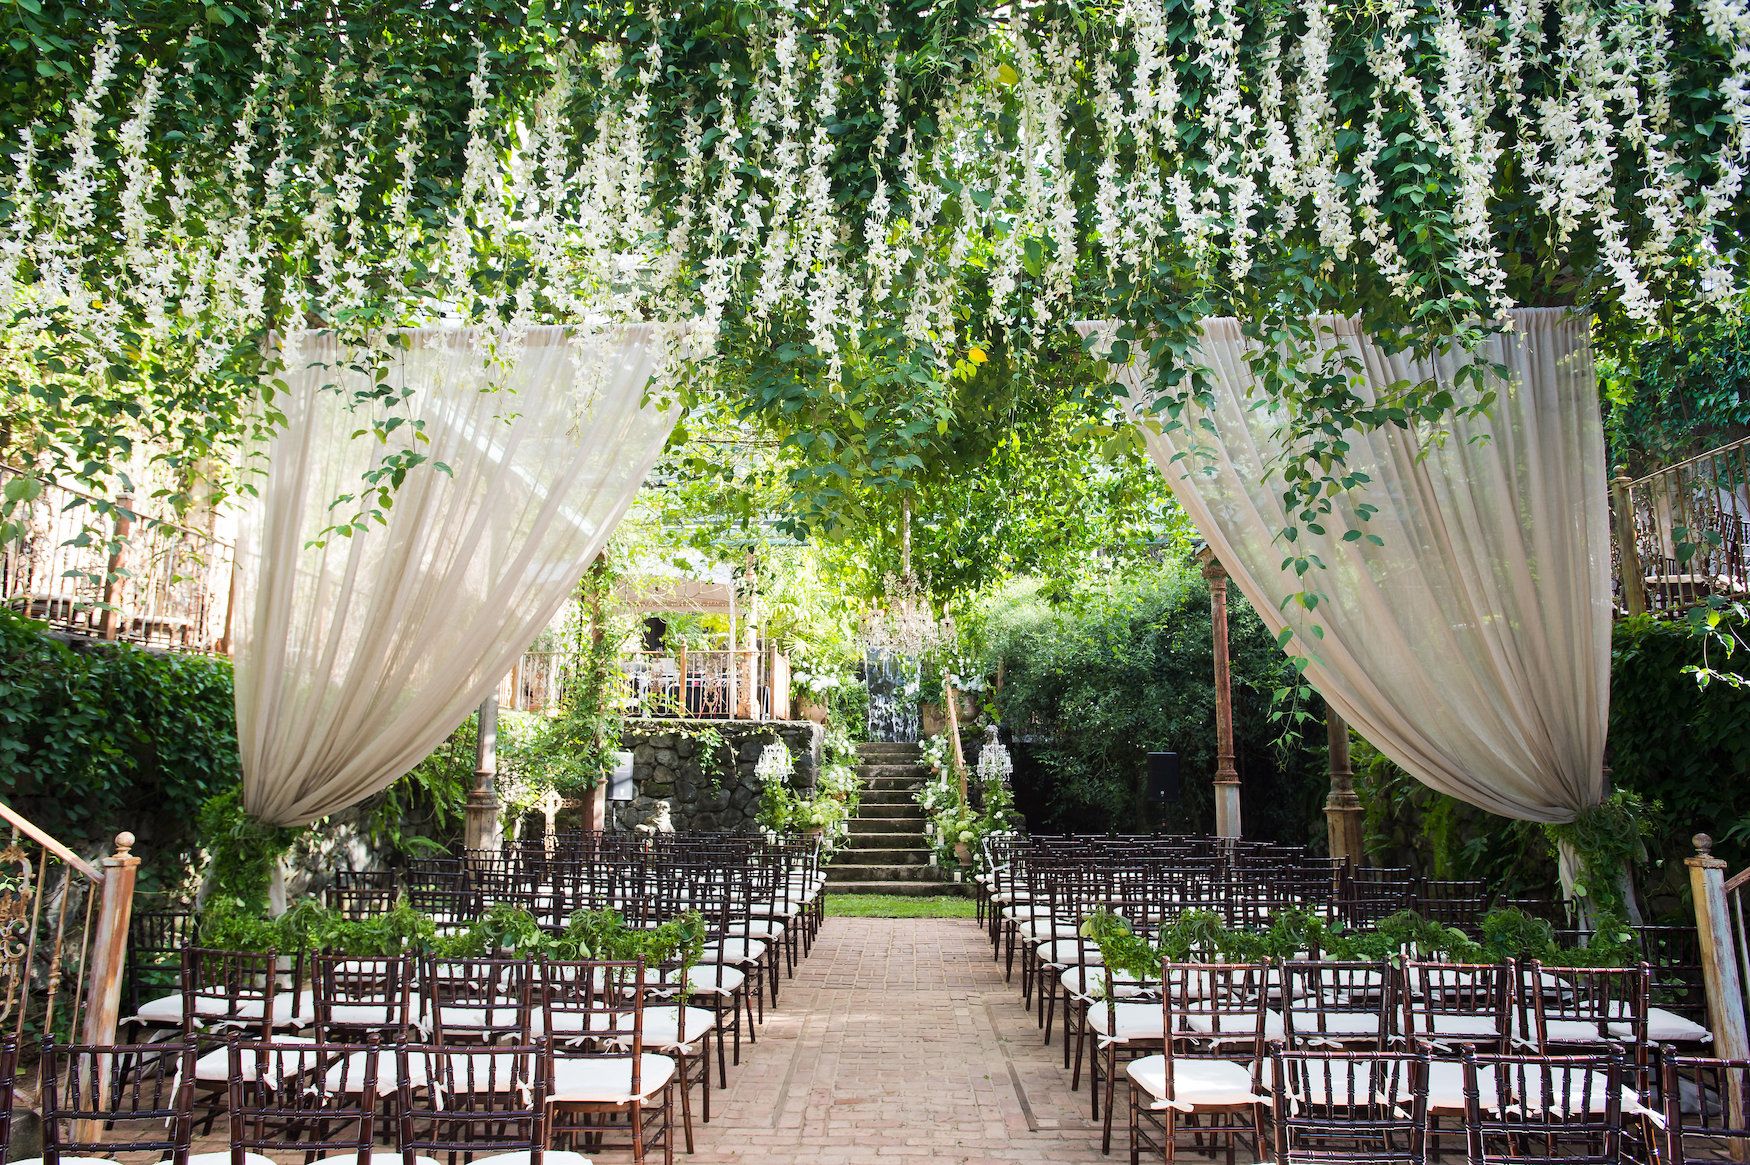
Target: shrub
point(1100, 677)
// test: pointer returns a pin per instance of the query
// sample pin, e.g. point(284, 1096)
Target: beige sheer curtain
point(355, 656)
point(1473, 646)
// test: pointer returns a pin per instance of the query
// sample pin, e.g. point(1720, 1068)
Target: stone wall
point(676, 793)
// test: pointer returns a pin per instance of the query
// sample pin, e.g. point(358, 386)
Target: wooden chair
point(487, 1106)
point(1210, 1065)
point(1349, 1108)
point(1543, 1110)
point(318, 1100)
point(1706, 1109)
point(359, 997)
point(104, 1101)
point(604, 1072)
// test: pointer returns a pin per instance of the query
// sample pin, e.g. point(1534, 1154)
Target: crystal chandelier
point(904, 623)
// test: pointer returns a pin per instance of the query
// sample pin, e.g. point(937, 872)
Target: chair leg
point(685, 1065)
point(637, 1112)
point(1135, 1129)
point(1111, 1087)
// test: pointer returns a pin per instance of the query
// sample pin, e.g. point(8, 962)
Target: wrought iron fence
point(112, 570)
point(1683, 533)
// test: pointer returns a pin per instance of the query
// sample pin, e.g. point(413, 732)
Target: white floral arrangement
point(819, 685)
point(935, 754)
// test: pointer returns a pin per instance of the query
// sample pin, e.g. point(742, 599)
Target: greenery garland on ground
point(1292, 933)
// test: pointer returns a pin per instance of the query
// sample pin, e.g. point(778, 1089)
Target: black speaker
point(1163, 778)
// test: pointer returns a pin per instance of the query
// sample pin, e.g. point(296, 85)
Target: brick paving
point(898, 1042)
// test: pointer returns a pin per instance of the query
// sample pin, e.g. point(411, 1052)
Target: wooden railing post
point(109, 624)
point(107, 960)
point(1628, 554)
point(1719, 954)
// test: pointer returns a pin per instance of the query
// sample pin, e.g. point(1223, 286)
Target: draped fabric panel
point(1472, 646)
point(356, 655)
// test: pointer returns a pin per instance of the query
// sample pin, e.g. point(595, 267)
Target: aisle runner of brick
point(898, 1041)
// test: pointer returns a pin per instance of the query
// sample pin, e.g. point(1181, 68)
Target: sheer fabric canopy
point(356, 655)
point(1472, 646)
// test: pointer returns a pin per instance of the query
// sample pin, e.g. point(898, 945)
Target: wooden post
point(481, 829)
point(108, 958)
point(1227, 776)
point(109, 624)
point(949, 702)
point(1628, 554)
point(224, 645)
point(1343, 812)
point(1719, 954)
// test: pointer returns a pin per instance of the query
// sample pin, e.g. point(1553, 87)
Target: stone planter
point(963, 853)
point(935, 721)
point(809, 710)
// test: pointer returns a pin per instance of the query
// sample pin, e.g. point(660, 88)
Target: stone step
point(887, 795)
point(871, 772)
point(886, 843)
point(908, 889)
point(844, 872)
point(915, 781)
point(911, 826)
point(863, 856)
point(908, 809)
point(890, 748)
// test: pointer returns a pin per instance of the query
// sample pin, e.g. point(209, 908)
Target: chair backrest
point(230, 991)
point(357, 997)
point(141, 1097)
point(156, 940)
point(1451, 1005)
point(1543, 1110)
point(8, 1086)
point(456, 1104)
point(479, 1000)
point(1349, 1108)
point(1589, 1007)
point(1326, 1003)
point(594, 1005)
point(1213, 1011)
point(1706, 1109)
point(318, 1099)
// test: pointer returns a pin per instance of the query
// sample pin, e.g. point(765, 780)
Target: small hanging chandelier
point(904, 623)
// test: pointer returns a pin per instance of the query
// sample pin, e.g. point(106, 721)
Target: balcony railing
point(123, 574)
point(708, 683)
point(1683, 533)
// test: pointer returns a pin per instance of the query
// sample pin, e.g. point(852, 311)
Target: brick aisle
point(897, 1042)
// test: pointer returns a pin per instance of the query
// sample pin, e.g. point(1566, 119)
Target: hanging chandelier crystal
point(904, 623)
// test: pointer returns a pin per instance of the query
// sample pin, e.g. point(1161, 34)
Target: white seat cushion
point(661, 1023)
point(1336, 1026)
point(366, 1015)
point(1092, 986)
point(377, 1157)
point(1346, 1082)
point(712, 979)
point(1133, 1021)
point(1063, 952)
point(216, 1064)
point(1446, 1086)
point(1196, 1083)
point(522, 1156)
point(738, 950)
point(1237, 1027)
point(290, 1011)
point(1667, 1027)
point(757, 928)
point(607, 1079)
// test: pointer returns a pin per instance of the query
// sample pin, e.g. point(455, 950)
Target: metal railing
point(1683, 532)
point(745, 683)
point(113, 571)
point(63, 934)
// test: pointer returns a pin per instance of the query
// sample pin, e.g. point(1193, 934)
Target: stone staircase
point(886, 852)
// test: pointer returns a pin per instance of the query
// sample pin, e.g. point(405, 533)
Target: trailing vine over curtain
point(1461, 618)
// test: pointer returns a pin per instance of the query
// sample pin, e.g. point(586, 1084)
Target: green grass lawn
point(897, 906)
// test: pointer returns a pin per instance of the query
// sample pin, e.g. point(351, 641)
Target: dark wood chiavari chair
point(485, 1106)
point(1349, 1108)
point(604, 1072)
point(317, 1100)
point(100, 1101)
point(1706, 1109)
point(1543, 1110)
